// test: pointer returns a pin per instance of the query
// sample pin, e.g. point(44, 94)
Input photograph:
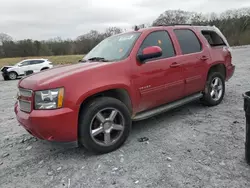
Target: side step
point(167, 107)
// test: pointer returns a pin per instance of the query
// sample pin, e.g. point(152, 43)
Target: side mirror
point(150, 53)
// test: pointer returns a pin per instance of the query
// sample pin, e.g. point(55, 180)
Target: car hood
point(6, 67)
point(44, 79)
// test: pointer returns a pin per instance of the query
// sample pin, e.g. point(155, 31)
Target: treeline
point(235, 24)
point(56, 46)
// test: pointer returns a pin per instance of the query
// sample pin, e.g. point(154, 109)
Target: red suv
point(127, 77)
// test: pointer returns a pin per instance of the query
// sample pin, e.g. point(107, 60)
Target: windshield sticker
point(121, 50)
point(159, 41)
point(126, 38)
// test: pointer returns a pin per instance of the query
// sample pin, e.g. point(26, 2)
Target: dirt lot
point(193, 146)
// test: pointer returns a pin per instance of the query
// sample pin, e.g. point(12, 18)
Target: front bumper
point(5, 74)
point(53, 125)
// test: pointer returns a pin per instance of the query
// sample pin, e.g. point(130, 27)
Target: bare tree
point(4, 37)
point(112, 31)
point(174, 17)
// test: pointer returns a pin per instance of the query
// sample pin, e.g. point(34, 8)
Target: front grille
point(25, 99)
point(25, 105)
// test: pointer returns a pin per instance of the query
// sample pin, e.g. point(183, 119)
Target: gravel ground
point(193, 146)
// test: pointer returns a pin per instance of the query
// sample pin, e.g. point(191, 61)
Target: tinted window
point(213, 38)
point(188, 41)
point(161, 39)
point(34, 62)
point(25, 63)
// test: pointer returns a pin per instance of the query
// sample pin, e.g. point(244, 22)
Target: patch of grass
point(56, 60)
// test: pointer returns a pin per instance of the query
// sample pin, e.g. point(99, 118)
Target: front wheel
point(215, 89)
point(12, 76)
point(104, 125)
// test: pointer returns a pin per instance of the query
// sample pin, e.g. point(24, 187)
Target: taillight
point(228, 51)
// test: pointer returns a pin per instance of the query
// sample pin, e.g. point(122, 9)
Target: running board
point(167, 107)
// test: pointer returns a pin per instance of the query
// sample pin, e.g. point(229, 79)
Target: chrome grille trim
point(25, 105)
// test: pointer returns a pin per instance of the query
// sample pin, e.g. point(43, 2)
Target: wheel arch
point(217, 67)
point(14, 72)
point(119, 93)
point(44, 68)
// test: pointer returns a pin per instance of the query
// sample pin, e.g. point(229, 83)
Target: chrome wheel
point(216, 89)
point(12, 76)
point(107, 126)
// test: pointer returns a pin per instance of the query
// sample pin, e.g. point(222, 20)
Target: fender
point(105, 88)
point(13, 69)
point(214, 64)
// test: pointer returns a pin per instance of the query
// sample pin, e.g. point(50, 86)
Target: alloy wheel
point(216, 89)
point(107, 126)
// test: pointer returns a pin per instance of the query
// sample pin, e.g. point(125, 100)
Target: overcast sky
point(44, 19)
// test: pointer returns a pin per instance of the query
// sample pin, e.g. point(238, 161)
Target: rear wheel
point(104, 125)
point(12, 75)
point(215, 89)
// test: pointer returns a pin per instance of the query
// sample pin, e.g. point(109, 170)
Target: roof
point(200, 27)
point(34, 59)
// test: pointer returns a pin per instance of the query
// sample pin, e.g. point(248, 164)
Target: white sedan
point(19, 69)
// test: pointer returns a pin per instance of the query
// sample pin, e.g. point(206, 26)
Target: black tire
point(207, 99)
point(85, 124)
point(12, 75)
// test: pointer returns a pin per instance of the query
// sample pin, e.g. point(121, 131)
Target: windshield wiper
point(98, 59)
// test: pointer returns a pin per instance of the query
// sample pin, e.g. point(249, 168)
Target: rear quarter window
point(34, 62)
point(188, 41)
point(213, 38)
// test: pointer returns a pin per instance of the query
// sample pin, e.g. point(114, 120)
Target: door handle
point(173, 65)
point(204, 58)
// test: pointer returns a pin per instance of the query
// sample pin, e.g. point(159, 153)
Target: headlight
point(49, 99)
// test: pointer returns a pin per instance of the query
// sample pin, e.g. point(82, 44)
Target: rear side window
point(213, 38)
point(161, 39)
point(39, 61)
point(188, 41)
point(34, 62)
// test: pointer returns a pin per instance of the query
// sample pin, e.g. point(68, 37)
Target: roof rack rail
point(171, 24)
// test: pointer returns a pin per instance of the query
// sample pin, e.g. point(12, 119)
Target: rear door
point(157, 80)
point(194, 57)
point(36, 65)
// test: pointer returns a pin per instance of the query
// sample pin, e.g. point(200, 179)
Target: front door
point(23, 67)
point(158, 80)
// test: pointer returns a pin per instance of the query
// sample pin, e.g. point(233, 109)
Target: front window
point(22, 63)
point(114, 48)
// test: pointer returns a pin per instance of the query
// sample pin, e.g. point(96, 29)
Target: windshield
point(114, 48)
